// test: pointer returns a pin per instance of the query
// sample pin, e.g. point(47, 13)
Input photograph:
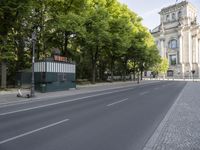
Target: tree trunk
point(102, 70)
point(134, 75)
point(94, 63)
point(141, 74)
point(138, 77)
point(93, 72)
point(20, 64)
point(112, 76)
point(111, 69)
point(3, 67)
point(3, 75)
point(134, 72)
point(125, 69)
point(66, 54)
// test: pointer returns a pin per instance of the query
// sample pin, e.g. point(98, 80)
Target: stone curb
point(14, 90)
point(68, 93)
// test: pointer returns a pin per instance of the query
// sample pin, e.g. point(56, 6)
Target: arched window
point(167, 18)
point(173, 16)
point(173, 44)
point(179, 14)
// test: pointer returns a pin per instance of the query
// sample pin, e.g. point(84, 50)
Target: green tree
point(100, 35)
point(96, 33)
point(67, 21)
point(162, 67)
point(143, 52)
point(10, 12)
point(120, 30)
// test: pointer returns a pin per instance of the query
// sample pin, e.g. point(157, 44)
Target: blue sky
point(148, 9)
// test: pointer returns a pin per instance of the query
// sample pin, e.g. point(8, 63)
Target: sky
point(148, 9)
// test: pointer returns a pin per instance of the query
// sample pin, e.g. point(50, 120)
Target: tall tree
point(10, 11)
point(65, 23)
point(96, 32)
point(119, 36)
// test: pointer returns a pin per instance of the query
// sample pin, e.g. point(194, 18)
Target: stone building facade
point(178, 39)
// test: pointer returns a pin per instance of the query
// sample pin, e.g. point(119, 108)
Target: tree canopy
point(103, 37)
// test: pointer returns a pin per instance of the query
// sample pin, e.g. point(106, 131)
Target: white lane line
point(61, 102)
point(117, 102)
point(144, 93)
point(33, 131)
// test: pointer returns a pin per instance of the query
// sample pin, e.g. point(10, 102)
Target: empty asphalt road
point(114, 119)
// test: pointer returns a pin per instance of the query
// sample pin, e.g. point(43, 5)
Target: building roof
point(177, 6)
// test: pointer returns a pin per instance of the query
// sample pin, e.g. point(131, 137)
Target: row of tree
point(103, 37)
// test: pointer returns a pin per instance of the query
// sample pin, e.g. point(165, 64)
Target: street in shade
point(122, 118)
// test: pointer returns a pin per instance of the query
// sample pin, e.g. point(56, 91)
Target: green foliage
point(162, 67)
point(102, 36)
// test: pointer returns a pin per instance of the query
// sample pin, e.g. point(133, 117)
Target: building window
point(167, 18)
point(173, 44)
point(179, 14)
point(173, 16)
point(172, 59)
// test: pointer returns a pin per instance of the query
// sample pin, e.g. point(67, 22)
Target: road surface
point(115, 119)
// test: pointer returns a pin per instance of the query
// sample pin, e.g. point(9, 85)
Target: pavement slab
point(180, 130)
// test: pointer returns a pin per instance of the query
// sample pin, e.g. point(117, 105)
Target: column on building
point(181, 54)
point(196, 55)
point(162, 47)
point(190, 50)
point(198, 49)
point(193, 50)
point(183, 70)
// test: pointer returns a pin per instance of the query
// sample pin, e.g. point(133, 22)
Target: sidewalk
point(9, 97)
point(180, 129)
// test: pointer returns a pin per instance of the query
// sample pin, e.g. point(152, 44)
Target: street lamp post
point(33, 61)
